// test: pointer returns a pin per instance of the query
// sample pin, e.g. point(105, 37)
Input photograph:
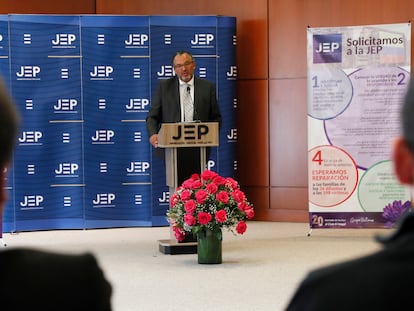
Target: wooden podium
point(181, 135)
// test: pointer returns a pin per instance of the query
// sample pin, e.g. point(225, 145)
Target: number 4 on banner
point(318, 157)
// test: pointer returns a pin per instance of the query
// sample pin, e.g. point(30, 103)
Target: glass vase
point(209, 246)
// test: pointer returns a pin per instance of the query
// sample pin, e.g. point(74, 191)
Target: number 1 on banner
point(315, 79)
point(318, 157)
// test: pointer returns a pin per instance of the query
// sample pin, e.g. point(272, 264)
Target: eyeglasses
point(179, 66)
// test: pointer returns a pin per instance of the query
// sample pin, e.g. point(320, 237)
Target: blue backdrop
point(83, 86)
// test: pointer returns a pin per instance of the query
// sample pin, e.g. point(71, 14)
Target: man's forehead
point(182, 57)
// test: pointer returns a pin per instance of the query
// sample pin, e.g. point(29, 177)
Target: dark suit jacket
point(38, 280)
point(165, 104)
point(380, 281)
point(165, 108)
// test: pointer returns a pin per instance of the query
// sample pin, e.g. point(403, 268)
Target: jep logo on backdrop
point(166, 71)
point(103, 136)
point(327, 48)
point(67, 170)
point(64, 40)
point(137, 40)
point(205, 40)
point(32, 202)
point(231, 74)
point(104, 200)
point(28, 73)
point(65, 105)
point(138, 168)
point(101, 72)
point(30, 138)
point(137, 105)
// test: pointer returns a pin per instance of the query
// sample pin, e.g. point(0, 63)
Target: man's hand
point(154, 140)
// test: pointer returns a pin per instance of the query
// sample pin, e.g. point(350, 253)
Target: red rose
point(190, 206)
point(187, 183)
point(238, 195)
point(242, 206)
point(174, 199)
point(232, 183)
point(179, 233)
point(219, 181)
point(201, 196)
point(241, 227)
point(185, 195)
point(211, 188)
point(208, 175)
point(249, 213)
point(196, 184)
point(223, 197)
point(221, 216)
point(204, 218)
point(189, 219)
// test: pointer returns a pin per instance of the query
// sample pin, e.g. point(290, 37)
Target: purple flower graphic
point(393, 211)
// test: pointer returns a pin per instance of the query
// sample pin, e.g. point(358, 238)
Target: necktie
point(188, 104)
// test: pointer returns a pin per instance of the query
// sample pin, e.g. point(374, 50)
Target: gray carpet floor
point(260, 269)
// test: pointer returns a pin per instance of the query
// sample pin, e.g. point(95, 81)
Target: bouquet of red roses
point(208, 201)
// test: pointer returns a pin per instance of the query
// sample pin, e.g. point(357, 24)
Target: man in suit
point(382, 280)
point(167, 106)
point(40, 280)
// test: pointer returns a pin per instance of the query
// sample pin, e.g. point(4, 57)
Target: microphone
point(195, 116)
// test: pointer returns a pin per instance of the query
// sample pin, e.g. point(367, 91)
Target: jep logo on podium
point(188, 134)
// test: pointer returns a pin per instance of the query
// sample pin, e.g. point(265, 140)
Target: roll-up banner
point(357, 80)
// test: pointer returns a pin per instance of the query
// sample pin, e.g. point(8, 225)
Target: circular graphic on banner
point(369, 124)
point(379, 187)
point(333, 176)
point(330, 92)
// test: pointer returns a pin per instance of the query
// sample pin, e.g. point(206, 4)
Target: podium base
point(172, 247)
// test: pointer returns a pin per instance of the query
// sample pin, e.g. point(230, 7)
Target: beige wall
point(271, 60)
